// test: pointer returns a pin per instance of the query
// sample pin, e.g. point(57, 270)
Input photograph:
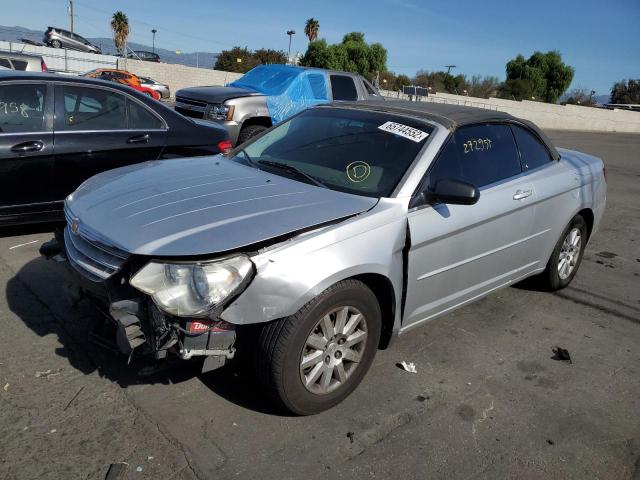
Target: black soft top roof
point(452, 116)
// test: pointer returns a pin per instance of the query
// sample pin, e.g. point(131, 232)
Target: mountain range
point(192, 59)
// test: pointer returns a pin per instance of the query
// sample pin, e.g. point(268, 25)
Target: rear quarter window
point(19, 64)
point(533, 153)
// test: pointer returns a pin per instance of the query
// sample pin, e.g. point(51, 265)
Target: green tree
point(626, 91)
point(120, 27)
point(542, 75)
point(269, 56)
point(352, 55)
point(238, 59)
point(311, 29)
point(516, 89)
point(402, 81)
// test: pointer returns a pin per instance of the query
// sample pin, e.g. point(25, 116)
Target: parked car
point(318, 242)
point(98, 126)
point(269, 94)
point(144, 55)
point(124, 78)
point(22, 61)
point(60, 38)
point(162, 89)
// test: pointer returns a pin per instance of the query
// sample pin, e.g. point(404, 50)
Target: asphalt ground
point(487, 401)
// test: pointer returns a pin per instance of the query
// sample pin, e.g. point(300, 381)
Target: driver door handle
point(139, 139)
point(27, 147)
point(520, 194)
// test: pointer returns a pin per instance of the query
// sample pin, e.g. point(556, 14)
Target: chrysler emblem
point(74, 226)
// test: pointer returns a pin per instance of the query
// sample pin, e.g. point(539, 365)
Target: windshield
point(268, 79)
point(350, 150)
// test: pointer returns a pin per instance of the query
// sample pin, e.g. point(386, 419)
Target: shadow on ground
point(40, 295)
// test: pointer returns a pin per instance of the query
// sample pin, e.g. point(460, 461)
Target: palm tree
point(120, 27)
point(311, 29)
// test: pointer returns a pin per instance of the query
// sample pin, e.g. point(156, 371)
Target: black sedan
point(97, 126)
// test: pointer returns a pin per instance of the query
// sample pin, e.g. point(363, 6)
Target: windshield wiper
point(249, 160)
point(292, 169)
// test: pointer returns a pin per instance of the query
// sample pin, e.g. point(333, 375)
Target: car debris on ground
point(408, 367)
point(561, 354)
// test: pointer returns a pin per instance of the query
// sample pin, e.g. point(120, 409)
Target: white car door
point(461, 252)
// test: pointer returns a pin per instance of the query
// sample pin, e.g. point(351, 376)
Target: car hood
point(214, 94)
point(203, 205)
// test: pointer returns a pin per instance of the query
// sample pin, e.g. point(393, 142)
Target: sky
point(601, 40)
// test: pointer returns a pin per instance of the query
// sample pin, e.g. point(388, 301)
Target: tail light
point(604, 172)
point(225, 146)
point(43, 65)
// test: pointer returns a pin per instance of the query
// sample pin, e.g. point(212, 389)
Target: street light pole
point(71, 14)
point(291, 33)
point(449, 67)
point(154, 39)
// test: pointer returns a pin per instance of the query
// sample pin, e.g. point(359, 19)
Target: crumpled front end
point(102, 273)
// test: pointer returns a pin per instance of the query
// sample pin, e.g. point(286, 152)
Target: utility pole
point(154, 39)
point(449, 67)
point(291, 33)
point(71, 14)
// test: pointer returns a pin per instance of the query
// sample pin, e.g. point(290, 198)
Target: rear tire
point(566, 257)
point(314, 359)
point(56, 44)
point(250, 131)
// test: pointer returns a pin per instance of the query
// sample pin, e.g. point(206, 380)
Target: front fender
point(292, 274)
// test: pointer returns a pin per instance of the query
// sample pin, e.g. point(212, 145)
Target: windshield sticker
point(358, 171)
point(477, 145)
point(404, 131)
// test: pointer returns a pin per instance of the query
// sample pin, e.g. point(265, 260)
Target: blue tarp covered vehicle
point(288, 89)
point(269, 94)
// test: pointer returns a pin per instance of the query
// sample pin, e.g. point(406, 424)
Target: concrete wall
point(569, 117)
point(63, 60)
point(177, 76)
point(545, 115)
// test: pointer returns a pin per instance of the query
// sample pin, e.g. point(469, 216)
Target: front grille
point(92, 259)
point(189, 101)
point(190, 108)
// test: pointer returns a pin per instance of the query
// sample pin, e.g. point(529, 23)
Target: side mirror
point(449, 190)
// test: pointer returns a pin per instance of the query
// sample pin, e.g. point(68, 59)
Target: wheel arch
point(589, 218)
point(382, 288)
point(261, 120)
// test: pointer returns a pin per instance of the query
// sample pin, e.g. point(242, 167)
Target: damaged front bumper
point(101, 275)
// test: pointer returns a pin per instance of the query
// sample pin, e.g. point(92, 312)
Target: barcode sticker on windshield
point(404, 131)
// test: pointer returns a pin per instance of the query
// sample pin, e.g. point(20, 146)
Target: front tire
point(250, 131)
point(56, 44)
point(567, 255)
point(314, 359)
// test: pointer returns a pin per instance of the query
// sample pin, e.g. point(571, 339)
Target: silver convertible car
point(317, 242)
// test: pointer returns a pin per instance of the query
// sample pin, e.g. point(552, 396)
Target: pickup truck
point(269, 94)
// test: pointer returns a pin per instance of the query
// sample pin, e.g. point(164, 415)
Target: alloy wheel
point(569, 253)
point(333, 350)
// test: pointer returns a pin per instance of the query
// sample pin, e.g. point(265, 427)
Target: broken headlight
point(193, 289)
